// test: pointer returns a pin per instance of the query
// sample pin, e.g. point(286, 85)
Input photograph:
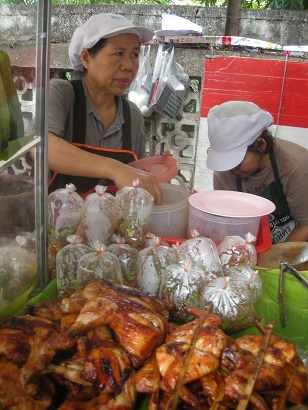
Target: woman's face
point(250, 165)
point(113, 67)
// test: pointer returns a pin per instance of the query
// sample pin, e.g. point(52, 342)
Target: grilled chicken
point(278, 373)
point(125, 400)
point(14, 395)
point(138, 329)
point(106, 342)
point(209, 345)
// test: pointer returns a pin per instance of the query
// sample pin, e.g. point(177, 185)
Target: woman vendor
point(93, 131)
point(246, 157)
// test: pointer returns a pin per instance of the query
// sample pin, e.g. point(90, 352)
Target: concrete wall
point(18, 23)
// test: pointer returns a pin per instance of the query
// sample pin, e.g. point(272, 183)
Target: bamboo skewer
point(243, 403)
point(174, 399)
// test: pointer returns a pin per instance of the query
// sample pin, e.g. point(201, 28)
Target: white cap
point(232, 127)
point(103, 25)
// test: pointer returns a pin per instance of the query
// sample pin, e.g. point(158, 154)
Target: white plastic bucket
point(170, 218)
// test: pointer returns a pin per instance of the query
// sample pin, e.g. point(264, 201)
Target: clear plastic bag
point(151, 240)
point(170, 83)
point(66, 265)
point(249, 276)
point(127, 256)
point(232, 302)
point(140, 88)
point(99, 217)
point(27, 240)
point(64, 210)
point(151, 263)
point(235, 250)
point(203, 253)
point(182, 284)
point(136, 206)
point(100, 264)
point(17, 272)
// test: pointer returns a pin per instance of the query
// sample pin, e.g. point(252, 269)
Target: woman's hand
point(147, 181)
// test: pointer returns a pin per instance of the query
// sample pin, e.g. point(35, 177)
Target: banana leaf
point(14, 146)
point(13, 307)
point(296, 300)
point(48, 294)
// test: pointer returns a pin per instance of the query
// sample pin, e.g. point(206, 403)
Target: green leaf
point(13, 307)
point(48, 294)
point(14, 146)
point(296, 299)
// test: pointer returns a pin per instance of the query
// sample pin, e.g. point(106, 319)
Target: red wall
point(259, 81)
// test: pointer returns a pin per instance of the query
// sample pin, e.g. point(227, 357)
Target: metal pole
point(41, 167)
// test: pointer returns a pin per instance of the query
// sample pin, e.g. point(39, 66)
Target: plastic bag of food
point(100, 264)
point(64, 210)
point(235, 250)
point(18, 268)
point(203, 253)
point(249, 276)
point(136, 208)
point(151, 240)
point(151, 264)
point(140, 88)
point(99, 217)
point(66, 265)
point(182, 284)
point(232, 302)
point(127, 256)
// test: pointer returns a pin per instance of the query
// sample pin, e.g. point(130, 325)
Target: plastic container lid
point(163, 167)
point(231, 204)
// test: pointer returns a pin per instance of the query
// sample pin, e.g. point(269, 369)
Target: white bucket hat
point(232, 127)
point(103, 25)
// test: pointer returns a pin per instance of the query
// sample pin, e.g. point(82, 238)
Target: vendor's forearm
point(65, 158)
point(299, 234)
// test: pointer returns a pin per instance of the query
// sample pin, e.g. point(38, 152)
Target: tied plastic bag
point(183, 285)
point(170, 83)
point(99, 216)
point(249, 276)
point(203, 253)
point(136, 206)
point(151, 263)
point(235, 250)
point(100, 264)
point(140, 88)
point(127, 256)
point(66, 265)
point(232, 302)
point(64, 210)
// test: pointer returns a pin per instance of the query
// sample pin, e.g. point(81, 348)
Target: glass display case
point(23, 167)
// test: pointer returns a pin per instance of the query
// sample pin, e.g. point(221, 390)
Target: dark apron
point(124, 155)
point(281, 221)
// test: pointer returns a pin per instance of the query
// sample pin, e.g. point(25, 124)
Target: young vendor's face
point(113, 68)
point(250, 165)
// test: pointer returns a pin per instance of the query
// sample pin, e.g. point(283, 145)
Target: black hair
point(95, 49)
point(98, 46)
point(255, 146)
